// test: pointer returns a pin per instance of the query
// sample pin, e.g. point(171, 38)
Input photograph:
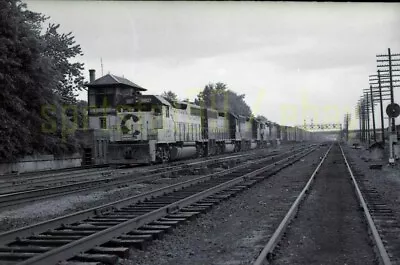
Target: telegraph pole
point(380, 94)
point(364, 120)
point(373, 113)
point(392, 108)
point(367, 116)
point(361, 121)
point(358, 113)
point(380, 99)
point(346, 125)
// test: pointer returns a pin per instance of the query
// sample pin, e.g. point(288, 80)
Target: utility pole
point(346, 126)
point(362, 120)
point(366, 120)
point(371, 103)
point(380, 92)
point(373, 113)
point(387, 69)
point(358, 114)
point(381, 101)
point(367, 117)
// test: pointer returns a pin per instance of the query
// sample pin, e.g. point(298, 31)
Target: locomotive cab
point(143, 121)
point(147, 118)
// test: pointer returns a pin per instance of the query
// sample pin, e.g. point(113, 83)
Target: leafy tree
point(29, 105)
point(61, 48)
point(77, 114)
point(218, 96)
point(262, 117)
point(171, 96)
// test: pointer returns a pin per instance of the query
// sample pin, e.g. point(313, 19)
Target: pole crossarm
point(381, 89)
point(383, 81)
point(387, 65)
point(387, 55)
point(376, 89)
point(386, 86)
point(393, 70)
point(382, 75)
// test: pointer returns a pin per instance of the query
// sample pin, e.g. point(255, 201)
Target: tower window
point(103, 123)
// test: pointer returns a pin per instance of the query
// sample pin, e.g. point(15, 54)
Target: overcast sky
point(294, 61)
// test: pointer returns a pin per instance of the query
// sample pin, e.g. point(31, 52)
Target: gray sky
point(294, 61)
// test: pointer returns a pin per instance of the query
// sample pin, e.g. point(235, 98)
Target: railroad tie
point(156, 234)
point(187, 215)
point(165, 228)
point(136, 243)
point(103, 258)
point(165, 223)
point(120, 252)
point(68, 232)
point(12, 256)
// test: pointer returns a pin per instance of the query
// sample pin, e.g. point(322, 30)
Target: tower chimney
point(92, 75)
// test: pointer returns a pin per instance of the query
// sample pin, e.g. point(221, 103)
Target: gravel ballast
point(329, 228)
point(234, 231)
point(19, 216)
point(22, 215)
point(380, 188)
point(386, 181)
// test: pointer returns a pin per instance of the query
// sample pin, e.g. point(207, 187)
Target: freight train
point(127, 127)
point(153, 129)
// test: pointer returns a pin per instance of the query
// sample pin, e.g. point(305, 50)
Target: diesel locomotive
point(153, 129)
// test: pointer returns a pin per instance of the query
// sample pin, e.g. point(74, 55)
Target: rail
point(87, 242)
point(383, 255)
point(20, 197)
point(266, 254)
point(269, 247)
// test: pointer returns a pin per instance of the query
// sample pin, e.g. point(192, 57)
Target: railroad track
point(381, 224)
point(54, 173)
point(105, 233)
point(26, 182)
point(387, 225)
point(27, 196)
point(16, 178)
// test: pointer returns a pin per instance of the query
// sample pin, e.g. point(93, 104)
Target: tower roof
point(113, 80)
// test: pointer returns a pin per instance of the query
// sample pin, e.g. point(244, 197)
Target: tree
point(31, 114)
point(261, 117)
point(219, 97)
point(171, 96)
point(22, 69)
point(61, 48)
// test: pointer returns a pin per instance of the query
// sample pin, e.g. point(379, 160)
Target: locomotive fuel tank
point(253, 145)
point(182, 152)
point(229, 148)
